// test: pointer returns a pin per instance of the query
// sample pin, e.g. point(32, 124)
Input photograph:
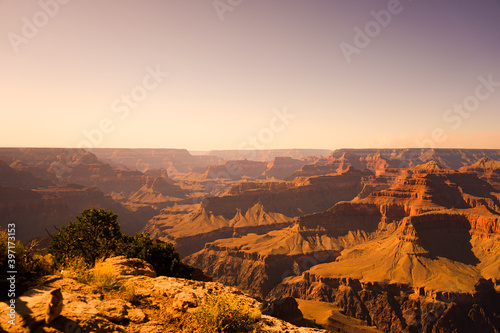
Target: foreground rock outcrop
point(143, 303)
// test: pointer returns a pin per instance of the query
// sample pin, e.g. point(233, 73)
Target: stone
point(185, 300)
point(131, 266)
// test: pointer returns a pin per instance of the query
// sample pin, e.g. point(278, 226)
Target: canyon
point(402, 240)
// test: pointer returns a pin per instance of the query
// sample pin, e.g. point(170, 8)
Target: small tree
point(95, 235)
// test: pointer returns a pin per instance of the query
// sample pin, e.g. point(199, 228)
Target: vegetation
point(224, 314)
point(29, 264)
point(163, 257)
point(76, 269)
point(96, 235)
point(103, 276)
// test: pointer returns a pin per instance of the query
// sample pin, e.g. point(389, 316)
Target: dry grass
point(101, 276)
point(76, 269)
point(104, 277)
point(223, 314)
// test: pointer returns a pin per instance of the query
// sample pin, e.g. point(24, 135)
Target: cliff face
point(157, 193)
point(325, 166)
point(379, 160)
point(432, 228)
point(344, 217)
point(405, 221)
point(486, 169)
point(398, 308)
point(430, 189)
point(278, 168)
point(74, 166)
point(191, 228)
point(268, 155)
point(38, 157)
point(237, 268)
point(257, 263)
point(87, 170)
point(409, 157)
point(442, 222)
point(253, 207)
point(33, 211)
point(43, 188)
point(236, 170)
point(282, 167)
point(16, 177)
point(175, 161)
point(306, 196)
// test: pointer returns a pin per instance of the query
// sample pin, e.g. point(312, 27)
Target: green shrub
point(223, 314)
point(96, 235)
point(162, 256)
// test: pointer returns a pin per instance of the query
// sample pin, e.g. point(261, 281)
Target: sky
point(250, 74)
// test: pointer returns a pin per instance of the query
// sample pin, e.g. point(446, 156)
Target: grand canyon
point(249, 166)
point(386, 240)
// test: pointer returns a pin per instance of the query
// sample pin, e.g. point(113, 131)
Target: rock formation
point(175, 161)
point(268, 155)
point(398, 238)
point(143, 303)
point(33, 211)
point(253, 207)
point(378, 160)
point(435, 230)
point(486, 169)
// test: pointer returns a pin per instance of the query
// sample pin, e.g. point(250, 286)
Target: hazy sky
point(231, 74)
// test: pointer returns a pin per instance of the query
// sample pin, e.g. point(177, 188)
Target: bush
point(223, 314)
point(162, 256)
point(29, 264)
point(96, 235)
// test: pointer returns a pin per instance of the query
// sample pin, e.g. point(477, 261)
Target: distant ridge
point(267, 155)
point(407, 157)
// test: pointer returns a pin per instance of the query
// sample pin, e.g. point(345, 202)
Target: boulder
point(130, 266)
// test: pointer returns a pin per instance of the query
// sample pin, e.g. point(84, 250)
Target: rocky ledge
point(143, 303)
